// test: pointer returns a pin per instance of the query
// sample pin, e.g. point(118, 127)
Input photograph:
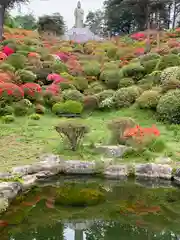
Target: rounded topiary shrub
point(92, 69)
point(150, 65)
point(94, 88)
point(170, 73)
point(105, 94)
point(134, 70)
point(166, 61)
point(148, 99)
point(59, 67)
point(90, 102)
point(149, 57)
point(79, 197)
point(74, 95)
point(6, 110)
point(40, 109)
point(111, 78)
point(66, 85)
point(35, 116)
point(81, 83)
point(20, 109)
point(168, 108)
point(7, 67)
point(8, 119)
point(17, 60)
point(26, 76)
point(125, 82)
point(10, 92)
point(68, 107)
point(125, 97)
point(118, 126)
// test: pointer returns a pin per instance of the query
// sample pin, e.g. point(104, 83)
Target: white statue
point(79, 16)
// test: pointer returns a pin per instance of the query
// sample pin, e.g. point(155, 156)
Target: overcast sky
point(64, 7)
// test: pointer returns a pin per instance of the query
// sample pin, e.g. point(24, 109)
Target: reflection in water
point(100, 230)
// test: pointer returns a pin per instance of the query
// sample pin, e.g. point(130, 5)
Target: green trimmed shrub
point(146, 83)
point(148, 99)
point(17, 60)
point(7, 67)
point(81, 83)
point(92, 69)
point(133, 70)
point(104, 94)
point(74, 95)
point(111, 52)
point(66, 85)
point(170, 84)
point(166, 61)
point(26, 76)
point(170, 73)
point(111, 78)
point(59, 67)
point(150, 65)
point(125, 82)
point(125, 97)
point(110, 65)
point(49, 99)
point(8, 119)
point(149, 57)
point(20, 109)
point(6, 110)
point(168, 108)
point(69, 107)
point(94, 88)
point(72, 130)
point(35, 116)
point(118, 127)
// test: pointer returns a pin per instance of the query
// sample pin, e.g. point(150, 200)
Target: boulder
point(152, 170)
point(116, 171)
point(9, 190)
point(79, 167)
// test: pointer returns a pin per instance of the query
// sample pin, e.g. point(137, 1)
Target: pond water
point(91, 209)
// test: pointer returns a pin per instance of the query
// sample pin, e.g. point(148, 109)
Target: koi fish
point(3, 223)
point(50, 203)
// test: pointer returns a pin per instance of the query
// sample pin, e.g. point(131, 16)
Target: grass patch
point(24, 140)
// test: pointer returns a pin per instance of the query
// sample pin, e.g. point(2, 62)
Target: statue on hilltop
point(79, 16)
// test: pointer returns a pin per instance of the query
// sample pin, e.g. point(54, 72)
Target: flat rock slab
point(177, 176)
point(111, 151)
point(47, 162)
point(163, 160)
point(152, 170)
point(9, 190)
point(116, 171)
point(4, 204)
point(79, 167)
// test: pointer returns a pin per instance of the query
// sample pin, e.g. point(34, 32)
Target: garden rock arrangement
point(149, 174)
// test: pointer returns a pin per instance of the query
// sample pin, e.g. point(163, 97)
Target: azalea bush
point(140, 137)
point(10, 92)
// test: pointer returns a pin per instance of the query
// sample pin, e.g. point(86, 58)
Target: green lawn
point(24, 140)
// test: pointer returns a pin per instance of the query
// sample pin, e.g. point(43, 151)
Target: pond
point(93, 209)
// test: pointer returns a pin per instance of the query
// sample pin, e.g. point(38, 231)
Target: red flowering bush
point(138, 36)
point(63, 56)
point(53, 88)
point(139, 51)
point(173, 44)
point(10, 92)
point(33, 55)
point(8, 51)
point(3, 56)
point(140, 137)
point(32, 91)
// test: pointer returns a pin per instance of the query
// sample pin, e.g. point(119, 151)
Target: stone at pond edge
point(9, 190)
point(79, 167)
point(28, 181)
point(163, 160)
point(48, 162)
point(111, 151)
point(152, 170)
point(116, 171)
point(153, 182)
point(177, 176)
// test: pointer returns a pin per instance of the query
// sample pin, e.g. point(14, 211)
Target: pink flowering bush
point(138, 36)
